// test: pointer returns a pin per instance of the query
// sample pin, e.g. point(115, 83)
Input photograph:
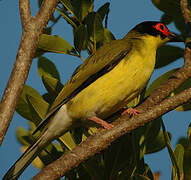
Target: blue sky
point(123, 16)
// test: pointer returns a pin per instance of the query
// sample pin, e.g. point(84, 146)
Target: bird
point(107, 81)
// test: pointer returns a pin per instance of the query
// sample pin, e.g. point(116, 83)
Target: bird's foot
point(130, 111)
point(101, 122)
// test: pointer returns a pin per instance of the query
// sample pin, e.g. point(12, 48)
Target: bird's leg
point(101, 122)
point(130, 111)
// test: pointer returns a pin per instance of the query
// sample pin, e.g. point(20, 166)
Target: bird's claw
point(130, 111)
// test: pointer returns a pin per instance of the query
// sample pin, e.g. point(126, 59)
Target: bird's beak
point(174, 38)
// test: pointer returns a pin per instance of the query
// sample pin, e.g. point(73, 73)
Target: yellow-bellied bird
point(102, 85)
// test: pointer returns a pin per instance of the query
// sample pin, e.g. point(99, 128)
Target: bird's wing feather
point(91, 66)
point(95, 66)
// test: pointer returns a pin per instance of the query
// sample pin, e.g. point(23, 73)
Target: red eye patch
point(163, 29)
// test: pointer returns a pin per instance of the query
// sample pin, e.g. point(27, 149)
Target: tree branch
point(185, 10)
point(104, 138)
point(187, 17)
point(25, 11)
point(32, 30)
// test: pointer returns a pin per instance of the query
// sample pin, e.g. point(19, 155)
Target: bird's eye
point(162, 28)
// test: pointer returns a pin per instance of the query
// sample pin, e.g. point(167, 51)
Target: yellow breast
point(116, 88)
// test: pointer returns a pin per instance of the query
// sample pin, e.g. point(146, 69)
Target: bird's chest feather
point(115, 88)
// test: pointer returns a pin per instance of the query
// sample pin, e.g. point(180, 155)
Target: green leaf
point(38, 108)
point(170, 151)
point(88, 170)
point(77, 134)
point(52, 85)
point(184, 142)
point(51, 153)
point(148, 137)
point(103, 10)
point(160, 80)
point(171, 7)
point(48, 98)
point(47, 68)
point(179, 155)
point(108, 36)
point(82, 8)
point(23, 136)
point(67, 18)
point(68, 6)
point(187, 166)
point(140, 177)
point(95, 27)
point(114, 160)
point(156, 144)
point(92, 167)
point(55, 44)
point(80, 38)
point(185, 85)
point(23, 107)
point(180, 25)
point(184, 107)
point(168, 54)
point(152, 130)
point(68, 140)
point(39, 52)
point(86, 7)
point(166, 19)
point(32, 128)
point(189, 133)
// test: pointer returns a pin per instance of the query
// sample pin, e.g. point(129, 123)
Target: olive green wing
point(106, 56)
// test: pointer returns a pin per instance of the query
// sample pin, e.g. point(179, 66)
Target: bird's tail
point(22, 163)
point(56, 126)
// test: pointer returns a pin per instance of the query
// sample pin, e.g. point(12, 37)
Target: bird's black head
point(155, 28)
